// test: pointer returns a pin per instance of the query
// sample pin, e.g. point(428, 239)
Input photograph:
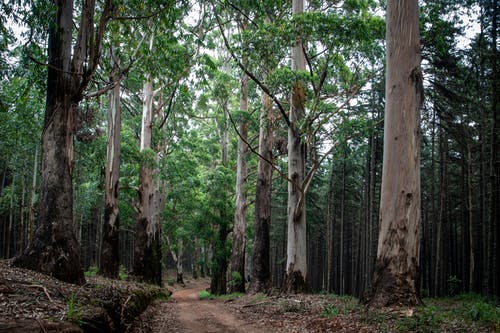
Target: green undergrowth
point(94, 271)
point(461, 313)
point(207, 295)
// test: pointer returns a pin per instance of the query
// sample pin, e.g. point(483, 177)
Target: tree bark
point(195, 258)
point(55, 249)
point(261, 272)
point(32, 209)
point(179, 267)
point(110, 255)
point(147, 251)
point(397, 267)
point(239, 228)
point(296, 265)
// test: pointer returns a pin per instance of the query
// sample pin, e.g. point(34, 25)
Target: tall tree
point(147, 251)
point(110, 257)
point(54, 249)
point(296, 264)
point(261, 273)
point(396, 274)
point(238, 254)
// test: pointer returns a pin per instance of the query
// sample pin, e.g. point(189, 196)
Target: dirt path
point(186, 313)
point(206, 316)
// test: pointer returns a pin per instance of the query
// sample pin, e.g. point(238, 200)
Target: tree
point(110, 257)
point(54, 249)
point(296, 264)
point(147, 251)
point(396, 275)
point(238, 253)
point(261, 273)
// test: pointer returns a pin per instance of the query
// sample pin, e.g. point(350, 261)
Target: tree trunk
point(330, 232)
point(179, 267)
point(296, 265)
point(22, 229)
point(195, 258)
point(32, 209)
point(10, 232)
point(240, 219)
point(261, 273)
point(110, 255)
point(495, 148)
point(218, 283)
point(147, 251)
point(396, 274)
point(472, 226)
point(55, 249)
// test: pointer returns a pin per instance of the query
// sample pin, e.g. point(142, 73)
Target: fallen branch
point(255, 304)
point(40, 287)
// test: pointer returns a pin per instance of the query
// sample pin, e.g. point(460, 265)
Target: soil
point(33, 302)
point(185, 312)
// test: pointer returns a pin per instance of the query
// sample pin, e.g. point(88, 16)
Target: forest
point(346, 147)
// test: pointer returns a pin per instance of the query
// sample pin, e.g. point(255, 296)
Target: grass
point(74, 310)
point(461, 313)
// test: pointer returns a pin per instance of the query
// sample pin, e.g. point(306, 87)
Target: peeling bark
point(261, 273)
point(296, 265)
point(395, 281)
point(110, 256)
point(147, 251)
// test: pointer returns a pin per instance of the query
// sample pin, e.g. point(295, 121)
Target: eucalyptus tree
point(396, 275)
point(296, 262)
point(329, 79)
point(55, 249)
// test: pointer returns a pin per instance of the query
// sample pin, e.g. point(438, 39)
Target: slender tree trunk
point(342, 226)
point(147, 251)
point(330, 232)
point(179, 267)
point(203, 264)
point(240, 218)
point(9, 234)
point(472, 237)
point(296, 266)
point(261, 273)
point(494, 149)
point(22, 229)
point(218, 283)
point(195, 258)
point(32, 209)
point(110, 255)
point(397, 269)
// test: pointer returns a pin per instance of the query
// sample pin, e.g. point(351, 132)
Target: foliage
point(330, 311)
point(205, 295)
point(425, 320)
point(122, 274)
point(92, 271)
point(74, 310)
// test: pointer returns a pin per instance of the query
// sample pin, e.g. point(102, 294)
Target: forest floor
point(33, 302)
point(192, 309)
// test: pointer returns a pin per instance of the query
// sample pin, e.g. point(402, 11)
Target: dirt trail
point(186, 313)
point(207, 316)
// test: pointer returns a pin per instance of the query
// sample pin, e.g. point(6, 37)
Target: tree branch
point(253, 77)
point(252, 149)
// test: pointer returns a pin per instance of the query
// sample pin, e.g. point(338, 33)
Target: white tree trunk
point(240, 214)
point(110, 256)
point(396, 273)
point(296, 267)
